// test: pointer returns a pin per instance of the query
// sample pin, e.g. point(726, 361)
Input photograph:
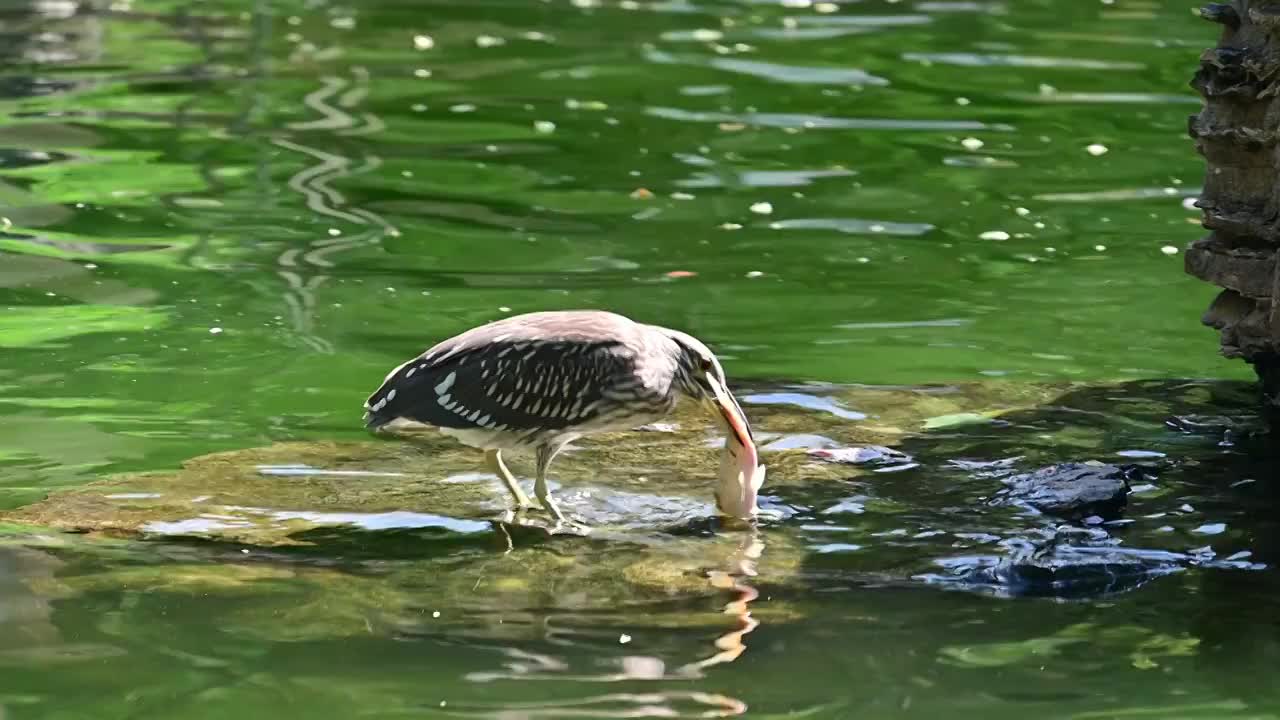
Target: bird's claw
point(568, 527)
point(558, 526)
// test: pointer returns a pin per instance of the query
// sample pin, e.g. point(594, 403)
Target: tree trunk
point(1238, 133)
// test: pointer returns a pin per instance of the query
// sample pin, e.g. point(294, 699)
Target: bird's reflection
point(612, 705)
point(740, 566)
point(732, 574)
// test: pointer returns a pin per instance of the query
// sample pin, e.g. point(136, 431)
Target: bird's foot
point(561, 526)
point(568, 527)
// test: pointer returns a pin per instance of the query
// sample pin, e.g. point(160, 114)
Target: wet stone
point(417, 480)
point(1070, 490)
point(867, 455)
point(1080, 571)
point(1062, 562)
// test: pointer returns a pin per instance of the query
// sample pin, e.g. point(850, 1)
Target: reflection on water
point(217, 220)
point(742, 566)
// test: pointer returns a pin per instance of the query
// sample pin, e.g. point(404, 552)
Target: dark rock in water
point(1064, 561)
point(1066, 570)
point(1070, 570)
point(866, 455)
point(1070, 490)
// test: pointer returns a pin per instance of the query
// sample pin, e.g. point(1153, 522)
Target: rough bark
point(1238, 133)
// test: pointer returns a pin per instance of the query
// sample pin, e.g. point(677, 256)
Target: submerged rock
point(421, 513)
point(344, 581)
point(1070, 570)
point(866, 455)
point(421, 481)
point(264, 495)
point(306, 506)
point(1072, 490)
point(1064, 562)
point(645, 495)
point(372, 546)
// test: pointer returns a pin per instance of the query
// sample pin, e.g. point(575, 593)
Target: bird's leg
point(494, 460)
point(545, 454)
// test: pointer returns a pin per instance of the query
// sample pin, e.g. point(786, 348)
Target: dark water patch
point(942, 521)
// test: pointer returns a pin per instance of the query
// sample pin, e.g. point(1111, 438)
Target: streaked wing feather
point(513, 385)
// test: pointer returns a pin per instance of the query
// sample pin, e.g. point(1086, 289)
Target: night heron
point(541, 380)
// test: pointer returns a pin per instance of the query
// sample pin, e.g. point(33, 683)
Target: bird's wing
point(509, 385)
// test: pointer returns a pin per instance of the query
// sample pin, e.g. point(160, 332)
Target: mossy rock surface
point(418, 479)
point(312, 540)
point(353, 533)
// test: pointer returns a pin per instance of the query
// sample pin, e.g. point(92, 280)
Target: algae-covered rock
point(263, 495)
point(277, 595)
point(404, 537)
point(280, 517)
point(419, 480)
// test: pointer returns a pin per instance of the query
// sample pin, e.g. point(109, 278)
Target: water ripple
point(854, 226)
point(763, 178)
point(866, 21)
point(820, 122)
point(779, 72)
point(1021, 61)
point(1124, 98)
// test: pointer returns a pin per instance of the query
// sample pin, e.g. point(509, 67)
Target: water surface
point(222, 222)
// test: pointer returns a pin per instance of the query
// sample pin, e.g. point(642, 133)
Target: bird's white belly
point(482, 439)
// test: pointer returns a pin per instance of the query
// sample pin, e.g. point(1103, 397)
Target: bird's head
point(700, 376)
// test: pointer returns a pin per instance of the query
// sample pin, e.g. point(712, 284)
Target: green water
point(224, 221)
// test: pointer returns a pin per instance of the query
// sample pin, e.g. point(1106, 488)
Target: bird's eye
point(706, 364)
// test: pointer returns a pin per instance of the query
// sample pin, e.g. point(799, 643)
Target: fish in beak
point(741, 474)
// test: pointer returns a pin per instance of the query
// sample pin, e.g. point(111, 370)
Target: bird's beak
point(740, 475)
point(732, 413)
